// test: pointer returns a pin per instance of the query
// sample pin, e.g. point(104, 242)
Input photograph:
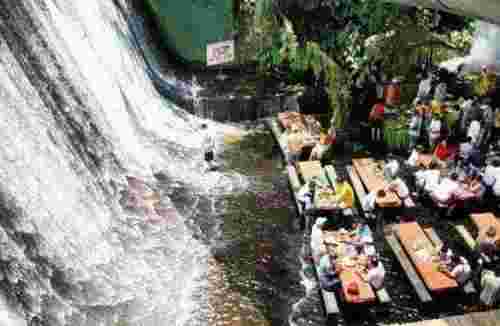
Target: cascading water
point(79, 113)
point(484, 50)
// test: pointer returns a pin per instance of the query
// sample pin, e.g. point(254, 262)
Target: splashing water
point(484, 51)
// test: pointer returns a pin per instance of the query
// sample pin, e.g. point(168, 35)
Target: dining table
point(372, 175)
point(425, 256)
point(351, 264)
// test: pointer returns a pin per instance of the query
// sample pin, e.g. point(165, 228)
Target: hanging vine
point(310, 56)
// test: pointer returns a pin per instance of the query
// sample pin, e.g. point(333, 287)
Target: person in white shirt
point(441, 92)
point(305, 195)
point(208, 143)
point(459, 269)
point(474, 131)
point(446, 190)
point(427, 179)
point(376, 273)
point(434, 131)
point(466, 148)
point(399, 187)
point(493, 171)
point(467, 108)
point(391, 169)
point(424, 88)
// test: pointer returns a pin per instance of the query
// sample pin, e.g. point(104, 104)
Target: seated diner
point(328, 274)
point(295, 143)
point(375, 274)
point(442, 152)
point(344, 195)
point(445, 255)
point(459, 269)
point(305, 195)
point(487, 242)
point(446, 191)
point(493, 171)
point(325, 141)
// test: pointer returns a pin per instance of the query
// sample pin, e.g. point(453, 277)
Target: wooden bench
point(407, 266)
point(295, 185)
point(356, 184)
point(276, 130)
point(431, 233)
point(469, 241)
point(330, 302)
point(383, 296)
point(331, 174)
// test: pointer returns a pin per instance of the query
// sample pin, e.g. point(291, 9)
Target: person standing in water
point(208, 143)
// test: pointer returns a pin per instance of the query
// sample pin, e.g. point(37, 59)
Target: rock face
point(79, 114)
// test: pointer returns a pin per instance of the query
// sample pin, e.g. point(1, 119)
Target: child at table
point(459, 269)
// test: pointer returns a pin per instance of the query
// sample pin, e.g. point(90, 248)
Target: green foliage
point(263, 8)
point(331, 39)
point(310, 56)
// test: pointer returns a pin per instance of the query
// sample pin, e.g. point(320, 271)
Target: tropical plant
point(330, 39)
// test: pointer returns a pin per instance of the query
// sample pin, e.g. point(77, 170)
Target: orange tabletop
point(483, 221)
point(420, 250)
point(374, 181)
point(365, 294)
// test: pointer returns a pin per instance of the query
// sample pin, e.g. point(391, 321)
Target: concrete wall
point(188, 25)
point(225, 109)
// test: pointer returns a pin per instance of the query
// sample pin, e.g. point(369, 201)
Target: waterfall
point(484, 50)
point(80, 112)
